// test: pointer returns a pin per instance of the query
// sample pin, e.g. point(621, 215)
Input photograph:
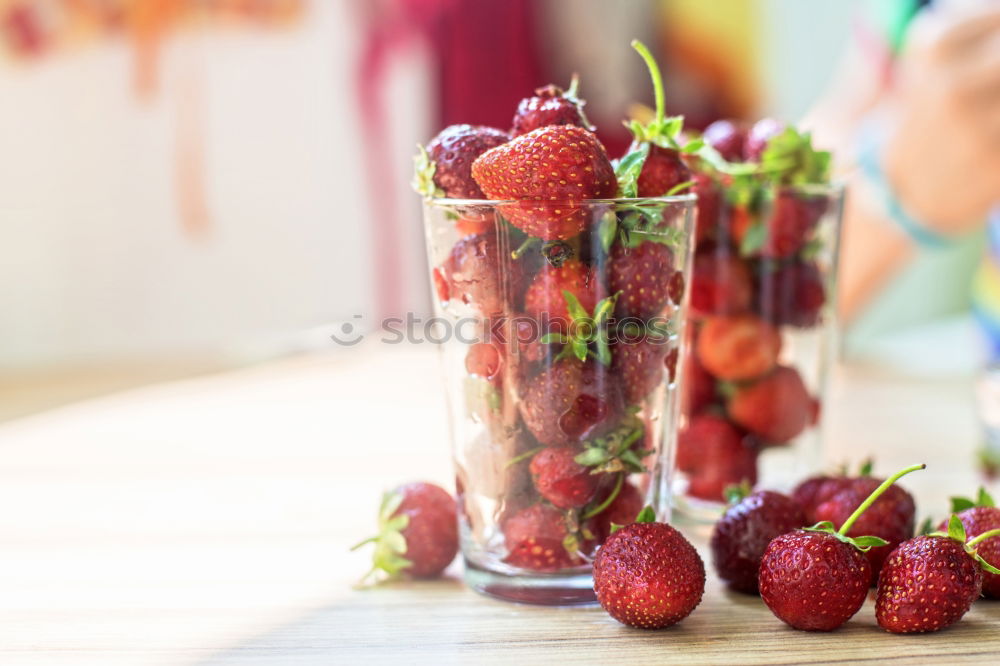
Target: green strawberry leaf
point(549, 338)
point(603, 351)
point(866, 467)
point(615, 527)
point(986, 565)
point(790, 159)
point(632, 461)
point(865, 543)
point(692, 146)
point(959, 504)
point(608, 230)
point(627, 172)
point(579, 348)
point(571, 543)
point(984, 498)
point(679, 187)
point(592, 456)
point(576, 310)
point(736, 492)
point(754, 239)
point(956, 530)
point(647, 515)
point(926, 527)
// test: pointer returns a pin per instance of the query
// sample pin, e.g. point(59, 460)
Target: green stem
point(574, 86)
point(525, 246)
point(983, 537)
point(524, 456)
point(611, 498)
point(368, 540)
point(875, 495)
point(654, 72)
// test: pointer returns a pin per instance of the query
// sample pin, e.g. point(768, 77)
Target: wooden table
point(207, 521)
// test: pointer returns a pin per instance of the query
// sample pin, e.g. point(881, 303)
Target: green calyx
point(423, 175)
point(390, 544)
point(983, 498)
point(956, 532)
point(616, 452)
point(790, 159)
point(586, 335)
point(663, 130)
point(638, 224)
point(737, 492)
point(647, 515)
point(863, 543)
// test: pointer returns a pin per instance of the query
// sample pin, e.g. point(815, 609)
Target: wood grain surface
point(207, 521)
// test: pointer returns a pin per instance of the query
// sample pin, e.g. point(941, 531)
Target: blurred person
point(919, 98)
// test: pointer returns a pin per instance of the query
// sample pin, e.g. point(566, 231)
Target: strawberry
point(816, 579)
point(978, 518)
point(545, 301)
point(418, 532)
point(720, 283)
point(891, 517)
point(645, 276)
point(744, 531)
point(727, 137)
point(791, 221)
point(622, 510)
point(792, 294)
point(571, 401)
point(758, 137)
point(697, 386)
point(484, 359)
point(534, 539)
point(640, 366)
point(738, 348)
point(814, 491)
point(776, 408)
point(648, 575)
point(550, 106)
point(478, 273)
point(547, 172)
point(708, 206)
point(715, 454)
point(562, 481)
point(445, 168)
point(930, 582)
point(662, 169)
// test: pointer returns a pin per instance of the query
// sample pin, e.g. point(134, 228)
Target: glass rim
point(677, 198)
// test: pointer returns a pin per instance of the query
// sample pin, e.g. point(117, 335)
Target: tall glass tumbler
point(560, 367)
point(762, 327)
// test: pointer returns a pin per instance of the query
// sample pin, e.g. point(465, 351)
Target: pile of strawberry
point(755, 281)
point(576, 300)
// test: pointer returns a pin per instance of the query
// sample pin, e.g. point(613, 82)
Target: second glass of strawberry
point(561, 372)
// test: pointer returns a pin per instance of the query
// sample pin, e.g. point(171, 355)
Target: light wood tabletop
point(208, 521)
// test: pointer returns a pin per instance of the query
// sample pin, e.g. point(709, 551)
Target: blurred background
point(189, 185)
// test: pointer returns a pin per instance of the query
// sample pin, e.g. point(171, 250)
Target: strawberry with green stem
point(418, 532)
point(444, 168)
point(817, 578)
point(979, 516)
point(930, 582)
point(551, 106)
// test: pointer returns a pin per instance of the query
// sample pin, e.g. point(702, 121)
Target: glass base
point(571, 589)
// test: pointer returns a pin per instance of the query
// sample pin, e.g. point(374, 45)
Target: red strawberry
point(720, 283)
point(549, 106)
point(715, 454)
point(479, 274)
point(643, 275)
point(648, 575)
point(562, 481)
point(814, 491)
point(792, 294)
point(662, 171)
point(571, 401)
point(547, 171)
point(534, 539)
point(727, 137)
point(758, 136)
point(640, 366)
point(738, 348)
point(623, 510)
point(484, 360)
point(977, 520)
point(777, 408)
point(812, 580)
point(745, 530)
point(452, 153)
point(927, 583)
point(418, 531)
point(697, 386)
point(891, 517)
point(709, 203)
point(792, 219)
point(544, 299)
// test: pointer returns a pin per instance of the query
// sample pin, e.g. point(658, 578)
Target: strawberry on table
point(444, 169)
point(815, 490)
point(978, 517)
point(418, 532)
point(648, 575)
point(743, 532)
point(547, 172)
point(738, 348)
point(816, 579)
point(930, 582)
point(550, 106)
point(571, 401)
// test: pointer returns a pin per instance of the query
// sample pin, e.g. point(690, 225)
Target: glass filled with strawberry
point(564, 277)
point(762, 288)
